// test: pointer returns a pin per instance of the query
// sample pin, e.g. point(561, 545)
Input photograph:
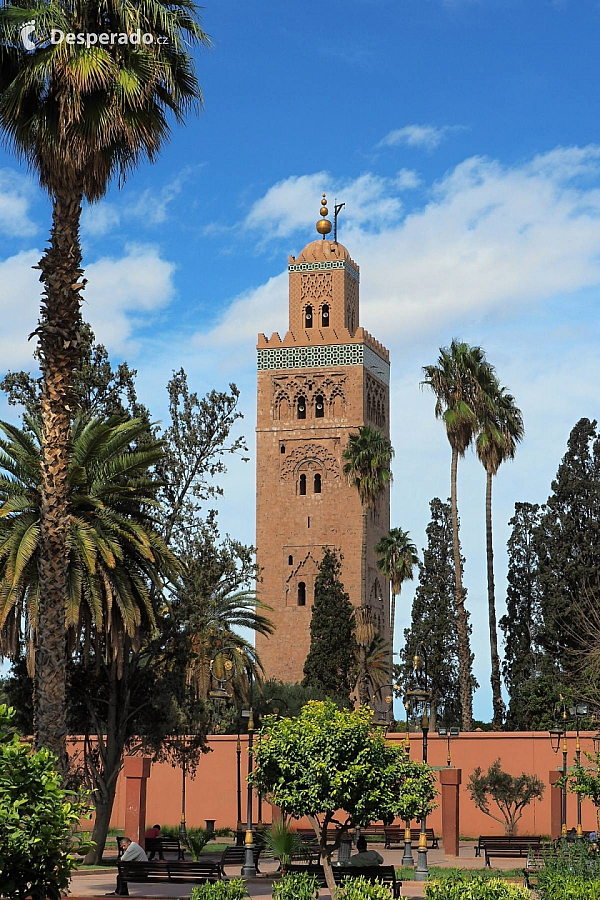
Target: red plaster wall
point(212, 794)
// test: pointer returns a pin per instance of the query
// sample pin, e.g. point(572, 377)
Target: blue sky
point(463, 137)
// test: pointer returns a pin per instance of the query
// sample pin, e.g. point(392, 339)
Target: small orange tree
point(327, 760)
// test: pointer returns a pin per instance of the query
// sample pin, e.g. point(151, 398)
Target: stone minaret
point(317, 385)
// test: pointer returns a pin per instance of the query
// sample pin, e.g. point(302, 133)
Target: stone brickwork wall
point(330, 378)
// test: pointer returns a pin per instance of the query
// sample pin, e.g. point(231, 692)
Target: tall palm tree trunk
point(59, 347)
point(497, 701)
point(462, 626)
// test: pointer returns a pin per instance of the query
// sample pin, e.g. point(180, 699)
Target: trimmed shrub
point(297, 886)
point(460, 888)
point(362, 889)
point(234, 889)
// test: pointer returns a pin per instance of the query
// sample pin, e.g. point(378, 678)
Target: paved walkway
point(99, 882)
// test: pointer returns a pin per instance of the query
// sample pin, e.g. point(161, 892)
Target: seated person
point(132, 853)
point(153, 832)
point(364, 857)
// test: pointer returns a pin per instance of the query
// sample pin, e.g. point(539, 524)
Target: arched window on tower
point(308, 317)
point(325, 316)
point(319, 407)
point(301, 408)
point(301, 593)
point(302, 489)
point(317, 484)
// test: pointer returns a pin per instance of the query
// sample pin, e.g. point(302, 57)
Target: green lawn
point(406, 873)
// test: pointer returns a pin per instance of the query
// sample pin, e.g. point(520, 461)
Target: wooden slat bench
point(514, 850)
point(385, 874)
point(236, 856)
point(394, 834)
point(535, 862)
point(172, 871)
point(164, 845)
point(505, 839)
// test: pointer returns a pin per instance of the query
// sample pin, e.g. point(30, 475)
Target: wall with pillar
point(212, 793)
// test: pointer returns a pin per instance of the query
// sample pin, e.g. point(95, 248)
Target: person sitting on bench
point(365, 858)
point(132, 853)
point(153, 833)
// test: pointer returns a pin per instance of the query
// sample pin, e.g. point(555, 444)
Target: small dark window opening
point(301, 593)
point(290, 560)
point(319, 407)
point(282, 448)
point(303, 484)
point(308, 320)
point(325, 316)
point(308, 522)
point(301, 408)
point(317, 484)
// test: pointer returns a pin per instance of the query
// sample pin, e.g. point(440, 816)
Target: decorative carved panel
point(306, 454)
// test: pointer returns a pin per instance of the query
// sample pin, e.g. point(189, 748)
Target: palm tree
point(500, 430)
point(80, 116)
point(397, 559)
point(367, 459)
point(114, 552)
point(372, 657)
point(462, 382)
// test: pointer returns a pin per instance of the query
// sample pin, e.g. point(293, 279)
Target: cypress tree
point(568, 546)
point(433, 620)
point(525, 668)
point(332, 656)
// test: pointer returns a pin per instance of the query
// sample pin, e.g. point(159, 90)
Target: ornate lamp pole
point(448, 733)
point(420, 697)
point(558, 733)
point(239, 834)
point(580, 711)
point(222, 669)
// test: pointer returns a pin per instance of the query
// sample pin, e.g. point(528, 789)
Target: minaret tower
point(321, 382)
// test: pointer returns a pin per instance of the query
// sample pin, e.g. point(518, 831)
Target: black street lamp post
point(580, 711)
point(227, 668)
point(239, 834)
point(558, 733)
point(420, 697)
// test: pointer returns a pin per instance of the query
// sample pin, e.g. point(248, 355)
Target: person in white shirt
point(132, 853)
point(364, 857)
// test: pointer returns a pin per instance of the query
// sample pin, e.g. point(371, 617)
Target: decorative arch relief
point(306, 454)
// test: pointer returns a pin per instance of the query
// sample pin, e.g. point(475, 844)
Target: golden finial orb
point(324, 225)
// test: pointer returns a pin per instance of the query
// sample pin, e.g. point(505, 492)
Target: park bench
point(394, 834)
point(535, 862)
point(167, 871)
point(504, 839)
point(164, 845)
point(236, 856)
point(514, 850)
point(385, 874)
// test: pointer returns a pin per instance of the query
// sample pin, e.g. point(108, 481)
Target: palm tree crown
point(115, 553)
point(80, 115)
point(367, 459)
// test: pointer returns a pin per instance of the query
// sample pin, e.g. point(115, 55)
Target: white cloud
point(19, 309)
point(126, 291)
point(294, 203)
point(427, 136)
point(99, 219)
point(15, 200)
point(407, 179)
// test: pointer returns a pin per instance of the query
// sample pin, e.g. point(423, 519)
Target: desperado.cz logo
point(89, 39)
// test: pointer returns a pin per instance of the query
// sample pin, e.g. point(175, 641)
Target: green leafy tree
point(567, 543)
point(510, 793)
point(328, 760)
point(433, 620)
point(397, 558)
point(331, 659)
point(500, 429)
point(113, 116)
point(100, 390)
point(38, 820)
point(462, 381)
point(372, 656)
